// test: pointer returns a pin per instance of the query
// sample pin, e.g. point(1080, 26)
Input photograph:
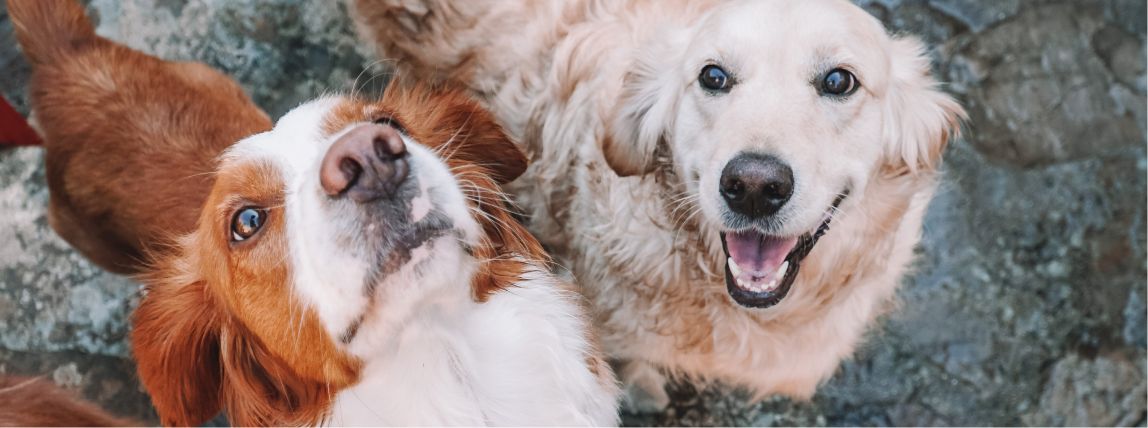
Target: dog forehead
point(806, 24)
point(754, 17)
point(795, 38)
point(295, 144)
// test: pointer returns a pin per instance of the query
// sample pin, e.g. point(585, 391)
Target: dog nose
point(756, 185)
point(367, 163)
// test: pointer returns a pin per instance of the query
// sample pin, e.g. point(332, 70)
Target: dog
point(129, 139)
point(359, 264)
point(38, 402)
point(688, 159)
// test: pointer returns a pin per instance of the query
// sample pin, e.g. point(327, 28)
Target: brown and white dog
point(129, 137)
point(358, 265)
point(688, 157)
point(355, 264)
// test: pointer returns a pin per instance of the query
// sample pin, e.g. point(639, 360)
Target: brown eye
point(839, 82)
point(247, 223)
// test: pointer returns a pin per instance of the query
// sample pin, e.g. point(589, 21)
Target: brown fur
point(38, 402)
point(219, 328)
point(129, 138)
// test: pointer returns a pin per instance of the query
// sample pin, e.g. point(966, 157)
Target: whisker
point(356, 88)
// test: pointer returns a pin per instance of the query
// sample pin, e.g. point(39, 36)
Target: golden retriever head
point(772, 114)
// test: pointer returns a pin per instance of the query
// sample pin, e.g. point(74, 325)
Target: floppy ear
point(175, 342)
point(644, 111)
point(919, 118)
point(449, 120)
point(484, 142)
point(194, 360)
point(260, 389)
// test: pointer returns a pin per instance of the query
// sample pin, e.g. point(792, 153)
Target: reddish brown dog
point(130, 139)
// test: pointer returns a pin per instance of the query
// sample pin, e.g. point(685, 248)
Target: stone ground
point(1028, 302)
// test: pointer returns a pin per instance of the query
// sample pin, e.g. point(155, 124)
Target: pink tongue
point(758, 255)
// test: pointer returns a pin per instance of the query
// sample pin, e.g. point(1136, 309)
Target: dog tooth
point(736, 271)
point(782, 270)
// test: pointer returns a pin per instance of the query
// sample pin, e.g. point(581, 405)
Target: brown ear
point(175, 342)
point(450, 121)
point(195, 361)
point(483, 140)
point(259, 389)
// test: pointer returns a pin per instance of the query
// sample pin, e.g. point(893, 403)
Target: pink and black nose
point(756, 185)
point(367, 163)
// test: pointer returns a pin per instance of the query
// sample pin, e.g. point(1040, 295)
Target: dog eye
point(391, 122)
point(715, 79)
point(839, 82)
point(246, 223)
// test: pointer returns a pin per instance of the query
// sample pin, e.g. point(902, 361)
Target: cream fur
point(626, 151)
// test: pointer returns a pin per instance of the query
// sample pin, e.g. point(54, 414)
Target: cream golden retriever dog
point(689, 158)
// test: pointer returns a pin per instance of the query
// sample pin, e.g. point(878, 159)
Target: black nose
point(756, 185)
point(367, 163)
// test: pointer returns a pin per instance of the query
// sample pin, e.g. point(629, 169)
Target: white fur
point(509, 361)
point(593, 90)
point(431, 354)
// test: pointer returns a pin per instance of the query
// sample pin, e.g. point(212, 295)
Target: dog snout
point(367, 163)
point(756, 185)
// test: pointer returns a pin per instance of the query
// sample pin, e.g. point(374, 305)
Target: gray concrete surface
point(1028, 302)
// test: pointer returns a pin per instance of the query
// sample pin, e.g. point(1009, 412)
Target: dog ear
point(195, 360)
point(448, 120)
point(919, 118)
point(175, 342)
point(644, 112)
point(260, 389)
point(483, 141)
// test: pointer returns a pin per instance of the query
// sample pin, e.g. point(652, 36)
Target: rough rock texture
point(1027, 306)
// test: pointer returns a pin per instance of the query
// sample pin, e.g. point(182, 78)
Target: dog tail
point(50, 29)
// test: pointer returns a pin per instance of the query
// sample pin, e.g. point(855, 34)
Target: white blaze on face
point(330, 276)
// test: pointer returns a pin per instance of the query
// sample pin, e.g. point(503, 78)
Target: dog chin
point(760, 268)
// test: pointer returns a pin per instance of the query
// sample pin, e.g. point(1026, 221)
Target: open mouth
point(760, 268)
